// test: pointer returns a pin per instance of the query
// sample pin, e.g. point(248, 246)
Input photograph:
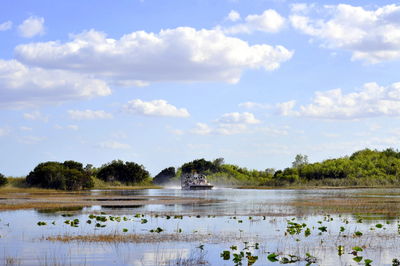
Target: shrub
point(3, 180)
point(66, 176)
point(164, 176)
point(127, 173)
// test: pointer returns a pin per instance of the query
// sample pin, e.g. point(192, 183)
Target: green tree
point(3, 180)
point(164, 176)
point(128, 172)
point(200, 166)
point(66, 176)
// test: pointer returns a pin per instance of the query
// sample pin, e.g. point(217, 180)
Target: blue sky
point(161, 83)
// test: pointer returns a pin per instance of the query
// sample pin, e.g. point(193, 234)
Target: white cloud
point(4, 131)
point(230, 129)
point(24, 128)
point(5, 26)
point(201, 129)
point(286, 108)
point(89, 114)
point(219, 129)
point(155, 108)
point(371, 35)
point(238, 118)
point(30, 86)
point(181, 54)
point(269, 21)
point(227, 124)
point(371, 100)
point(233, 16)
point(36, 115)
point(31, 27)
point(254, 105)
point(114, 145)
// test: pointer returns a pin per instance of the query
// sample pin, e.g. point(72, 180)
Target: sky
point(161, 83)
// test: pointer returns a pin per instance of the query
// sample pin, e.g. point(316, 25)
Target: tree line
point(364, 167)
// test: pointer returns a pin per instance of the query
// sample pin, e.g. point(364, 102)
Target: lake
point(233, 227)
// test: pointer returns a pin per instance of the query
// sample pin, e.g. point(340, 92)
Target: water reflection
point(251, 216)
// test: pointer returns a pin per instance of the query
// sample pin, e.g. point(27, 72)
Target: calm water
point(258, 217)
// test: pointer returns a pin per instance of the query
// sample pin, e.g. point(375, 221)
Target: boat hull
point(199, 187)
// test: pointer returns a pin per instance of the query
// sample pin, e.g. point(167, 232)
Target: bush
point(164, 176)
point(3, 180)
point(127, 173)
point(66, 176)
point(201, 166)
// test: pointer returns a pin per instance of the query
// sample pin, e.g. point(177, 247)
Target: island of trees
point(362, 168)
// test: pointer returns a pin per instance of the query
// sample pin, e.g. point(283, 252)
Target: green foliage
point(164, 176)
point(201, 166)
point(3, 180)
point(66, 176)
point(127, 173)
point(365, 167)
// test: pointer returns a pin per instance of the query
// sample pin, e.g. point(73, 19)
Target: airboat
point(195, 182)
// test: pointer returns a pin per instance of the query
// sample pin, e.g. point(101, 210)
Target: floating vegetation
point(234, 239)
point(157, 230)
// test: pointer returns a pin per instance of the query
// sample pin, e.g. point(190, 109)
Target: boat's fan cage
point(197, 181)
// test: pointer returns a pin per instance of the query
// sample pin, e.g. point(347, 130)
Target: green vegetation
point(3, 180)
point(364, 168)
point(69, 175)
point(127, 173)
point(164, 176)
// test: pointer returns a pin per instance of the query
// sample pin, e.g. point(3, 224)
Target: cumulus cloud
point(155, 108)
point(6, 26)
point(31, 27)
point(371, 100)
point(286, 108)
point(370, 35)
point(89, 114)
point(202, 129)
point(233, 16)
point(36, 115)
point(22, 86)
point(269, 21)
point(114, 145)
point(227, 124)
point(181, 54)
point(238, 118)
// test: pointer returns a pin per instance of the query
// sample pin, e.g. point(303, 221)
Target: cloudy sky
point(162, 82)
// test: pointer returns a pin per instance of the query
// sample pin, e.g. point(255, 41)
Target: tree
point(66, 176)
point(300, 160)
point(200, 166)
point(128, 172)
point(164, 176)
point(219, 162)
point(3, 180)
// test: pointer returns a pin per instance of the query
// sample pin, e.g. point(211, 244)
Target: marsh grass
point(11, 261)
point(149, 238)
